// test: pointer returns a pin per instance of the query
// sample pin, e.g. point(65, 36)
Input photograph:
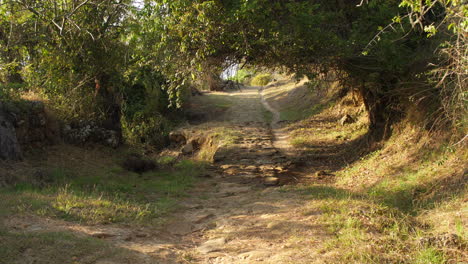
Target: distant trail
point(281, 137)
point(276, 114)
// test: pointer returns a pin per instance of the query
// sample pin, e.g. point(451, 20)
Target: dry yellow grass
point(385, 203)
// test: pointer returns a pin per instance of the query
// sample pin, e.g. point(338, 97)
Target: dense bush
point(96, 65)
point(243, 76)
point(10, 91)
point(261, 79)
point(145, 108)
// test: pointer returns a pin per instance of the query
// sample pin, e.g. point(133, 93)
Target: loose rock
point(256, 255)
point(137, 163)
point(177, 138)
point(187, 149)
point(442, 240)
point(322, 174)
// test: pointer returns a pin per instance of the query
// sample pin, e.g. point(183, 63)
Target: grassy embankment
point(84, 187)
point(404, 201)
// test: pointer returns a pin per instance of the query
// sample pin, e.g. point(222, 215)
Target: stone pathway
point(240, 215)
point(237, 214)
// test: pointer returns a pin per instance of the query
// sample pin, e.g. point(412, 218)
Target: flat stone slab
point(256, 255)
point(252, 168)
point(271, 181)
point(264, 162)
point(212, 245)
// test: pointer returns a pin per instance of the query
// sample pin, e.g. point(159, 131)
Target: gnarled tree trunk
point(110, 101)
point(381, 113)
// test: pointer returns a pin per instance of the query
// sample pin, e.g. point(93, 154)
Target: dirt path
point(239, 213)
point(281, 137)
point(262, 201)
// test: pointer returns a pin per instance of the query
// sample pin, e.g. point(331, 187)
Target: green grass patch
point(310, 137)
point(216, 100)
point(361, 231)
point(226, 136)
point(403, 185)
point(218, 136)
point(295, 114)
point(167, 160)
point(430, 256)
point(56, 247)
point(105, 196)
point(368, 229)
point(267, 116)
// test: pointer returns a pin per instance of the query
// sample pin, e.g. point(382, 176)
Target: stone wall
point(25, 125)
point(28, 125)
point(9, 145)
point(35, 126)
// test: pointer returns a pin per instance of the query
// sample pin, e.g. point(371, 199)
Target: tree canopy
point(143, 56)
